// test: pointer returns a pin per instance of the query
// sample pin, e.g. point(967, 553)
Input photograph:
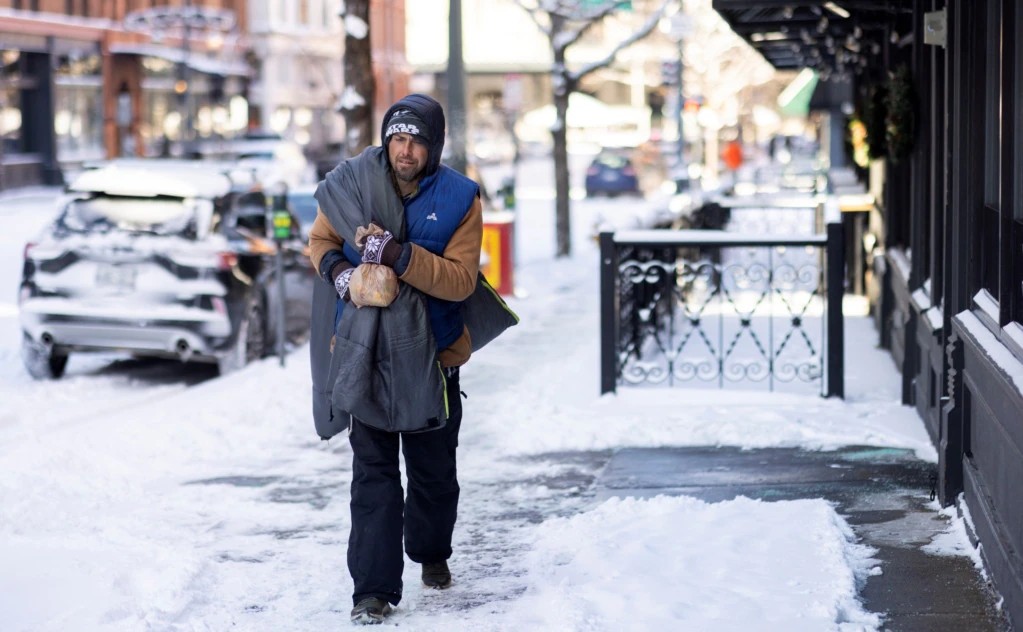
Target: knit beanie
point(406, 121)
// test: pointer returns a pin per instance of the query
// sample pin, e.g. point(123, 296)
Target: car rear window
point(161, 215)
point(612, 161)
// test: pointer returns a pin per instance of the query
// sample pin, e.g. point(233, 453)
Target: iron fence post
point(836, 325)
point(608, 333)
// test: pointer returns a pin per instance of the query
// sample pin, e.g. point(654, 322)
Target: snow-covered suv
point(160, 258)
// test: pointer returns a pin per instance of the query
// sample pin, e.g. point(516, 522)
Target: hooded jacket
point(432, 113)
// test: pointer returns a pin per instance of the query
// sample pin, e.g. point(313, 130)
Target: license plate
point(115, 277)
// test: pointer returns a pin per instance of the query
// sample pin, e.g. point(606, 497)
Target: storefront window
point(10, 102)
point(160, 124)
point(78, 111)
point(212, 108)
point(10, 119)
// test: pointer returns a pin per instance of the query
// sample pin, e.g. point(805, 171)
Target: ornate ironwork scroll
point(719, 311)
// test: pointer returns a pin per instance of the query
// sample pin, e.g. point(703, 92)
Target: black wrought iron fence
point(722, 307)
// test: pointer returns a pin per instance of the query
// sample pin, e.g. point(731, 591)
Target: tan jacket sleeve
point(322, 239)
point(451, 276)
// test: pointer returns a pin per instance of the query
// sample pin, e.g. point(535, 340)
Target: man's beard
point(408, 174)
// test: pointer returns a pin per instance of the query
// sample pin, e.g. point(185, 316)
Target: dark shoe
point(436, 575)
point(370, 610)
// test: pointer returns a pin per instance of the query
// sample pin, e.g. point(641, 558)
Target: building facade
point(391, 70)
point(945, 239)
point(296, 50)
point(82, 80)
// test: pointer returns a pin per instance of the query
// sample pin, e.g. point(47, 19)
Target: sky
point(135, 497)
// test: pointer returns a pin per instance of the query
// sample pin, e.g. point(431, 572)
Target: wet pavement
point(884, 495)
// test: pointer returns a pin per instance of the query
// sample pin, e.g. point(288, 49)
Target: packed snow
point(176, 502)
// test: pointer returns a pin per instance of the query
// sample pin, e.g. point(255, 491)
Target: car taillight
point(592, 171)
point(219, 306)
point(226, 260)
point(629, 171)
point(24, 294)
point(28, 250)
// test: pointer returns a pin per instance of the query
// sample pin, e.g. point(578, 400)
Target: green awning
point(794, 100)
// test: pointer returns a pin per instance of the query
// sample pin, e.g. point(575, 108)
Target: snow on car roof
point(151, 179)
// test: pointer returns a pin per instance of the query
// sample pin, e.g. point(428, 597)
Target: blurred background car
point(303, 206)
point(160, 258)
point(273, 161)
point(325, 157)
point(489, 147)
point(611, 173)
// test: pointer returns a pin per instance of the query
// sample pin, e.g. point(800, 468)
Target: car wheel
point(42, 363)
point(251, 343)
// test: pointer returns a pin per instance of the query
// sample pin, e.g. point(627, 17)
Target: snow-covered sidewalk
point(216, 507)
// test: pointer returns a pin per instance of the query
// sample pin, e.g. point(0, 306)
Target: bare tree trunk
point(563, 87)
point(359, 83)
point(561, 189)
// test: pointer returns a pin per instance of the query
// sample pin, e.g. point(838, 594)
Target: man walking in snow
point(424, 223)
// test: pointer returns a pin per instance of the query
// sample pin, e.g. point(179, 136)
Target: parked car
point(490, 148)
point(325, 157)
point(303, 207)
point(273, 161)
point(160, 258)
point(611, 173)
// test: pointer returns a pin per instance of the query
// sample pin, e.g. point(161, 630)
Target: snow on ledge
point(655, 236)
point(922, 299)
point(987, 304)
point(902, 262)
point(999, 354)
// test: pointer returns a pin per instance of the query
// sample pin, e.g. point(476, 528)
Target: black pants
point(380, 517)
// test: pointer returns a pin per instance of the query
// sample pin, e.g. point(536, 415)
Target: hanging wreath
point(899, 122)
point(875, 111)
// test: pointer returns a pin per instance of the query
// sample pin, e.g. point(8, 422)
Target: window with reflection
point(10, 102)
point(78, 106)
point(998, 247)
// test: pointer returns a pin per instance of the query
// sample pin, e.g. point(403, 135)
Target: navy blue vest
point(431, 217)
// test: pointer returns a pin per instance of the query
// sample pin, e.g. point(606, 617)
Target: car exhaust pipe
point(183, 349)
point(46, 339)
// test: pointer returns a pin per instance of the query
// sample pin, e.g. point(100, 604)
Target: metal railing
point(722, 307)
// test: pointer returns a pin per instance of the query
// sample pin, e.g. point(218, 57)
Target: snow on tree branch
point(642, 32)
point(536, 13)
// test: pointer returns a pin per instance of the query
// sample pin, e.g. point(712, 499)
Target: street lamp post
point(681, 27)
point(456, 88)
